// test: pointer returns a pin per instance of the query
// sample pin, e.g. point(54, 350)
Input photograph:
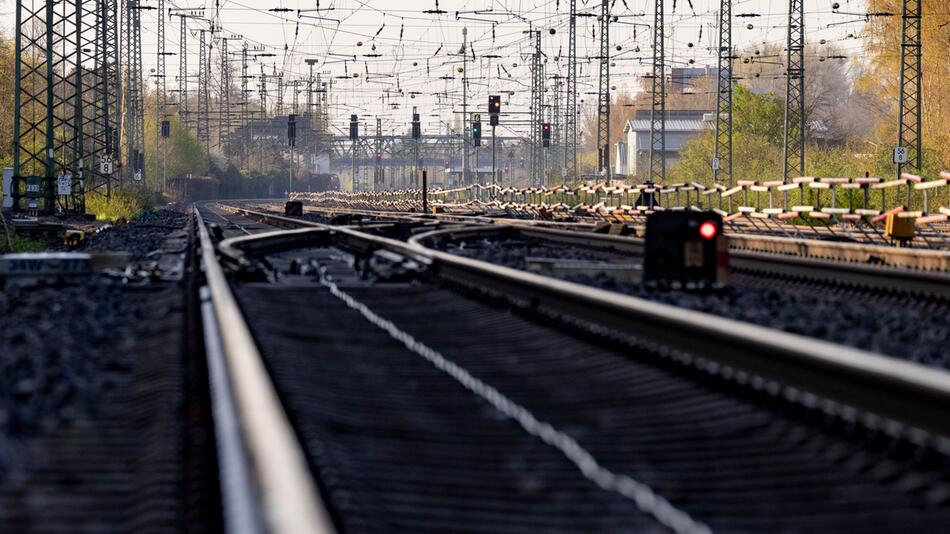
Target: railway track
point(379, 386)
point(864, 305)
point(743, 239)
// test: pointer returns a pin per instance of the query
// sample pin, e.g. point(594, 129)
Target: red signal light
point(708, 230)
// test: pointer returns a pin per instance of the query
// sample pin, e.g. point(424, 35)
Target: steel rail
point(885, 278)
point(283, 486)
point(922, 282)
point(880, 392)
point(814, 249)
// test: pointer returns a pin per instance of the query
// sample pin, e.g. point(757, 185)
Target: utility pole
point(183, 105)
point(280, 95)
point(106, 93)
point(161, 113)
point(354, 140)
point(160, 60)
point(795, 93)
point(204, 96)
point(570, 153)
point(378, 174)
point(556, 121)
point(603, 94)
point(183, 69)
point(465, 152)
point(907, 155)
point(722, 159)
point(134, 96)
point(245, 96)
point(224, 101)
point(658, 108)
point(263, 117)
point(537, 110)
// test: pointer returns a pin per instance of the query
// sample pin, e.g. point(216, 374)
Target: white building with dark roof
point(681, 126)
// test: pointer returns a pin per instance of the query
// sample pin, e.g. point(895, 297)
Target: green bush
point(125, 204)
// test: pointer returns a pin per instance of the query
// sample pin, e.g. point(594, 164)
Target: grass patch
point(20, 244)
point(124, 204)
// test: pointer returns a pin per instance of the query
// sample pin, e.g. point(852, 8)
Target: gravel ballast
point(904, 329)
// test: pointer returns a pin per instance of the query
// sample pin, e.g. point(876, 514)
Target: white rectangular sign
point(900, 154)
point(65, 185)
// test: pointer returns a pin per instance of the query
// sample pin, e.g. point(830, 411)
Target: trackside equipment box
point(685, 247)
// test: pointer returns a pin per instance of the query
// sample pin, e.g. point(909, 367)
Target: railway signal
point(477, 130)
point(354, 128)
point(685, 248)
point(494, 109)
point(546, 134)
point(416, 127)
point(292, 130)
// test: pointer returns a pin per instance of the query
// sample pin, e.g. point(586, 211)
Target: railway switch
point(685, 249)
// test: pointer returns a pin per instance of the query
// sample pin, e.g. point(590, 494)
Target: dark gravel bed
point(513, 252)
point(94, 396)
point(138, 237)
point(91, 407)
point(914, 331)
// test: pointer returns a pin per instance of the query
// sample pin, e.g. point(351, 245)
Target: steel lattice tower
point(280, 95)
point(204, 95)
point(795, 92)
point(555, 119)
point(245, 97)
point(224, 101)
point(295, 97)
point(658, 107)
point(134, 127)
point(465, 122)
point(101, 91)
point(603, 99)
point(909, 134)
point(48, 101)
point(263, 93)
point(537, 110)
point(183, 70)
point(160, 64)
point(722, 159)
point(570, 132)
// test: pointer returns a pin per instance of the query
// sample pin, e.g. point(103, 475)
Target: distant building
point(681, 126)
point(681, 79)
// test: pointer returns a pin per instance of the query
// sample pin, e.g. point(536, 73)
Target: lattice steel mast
point(603, 99)
point(101, 93)
point(183, 70)
point(909, 134)
point(537, 110)
point(204, 95)
point(465, 123)
point(722, 159)
point(134, 127)
point(658, 106)
point(794, 166)
point(224, 100)
point(161, 82)
point(245, 97)
point(48, 106)
point(570, 132)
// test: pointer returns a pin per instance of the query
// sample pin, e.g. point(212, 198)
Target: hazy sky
point(418, 61)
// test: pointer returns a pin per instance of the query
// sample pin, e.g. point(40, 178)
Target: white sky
point(414, 62)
